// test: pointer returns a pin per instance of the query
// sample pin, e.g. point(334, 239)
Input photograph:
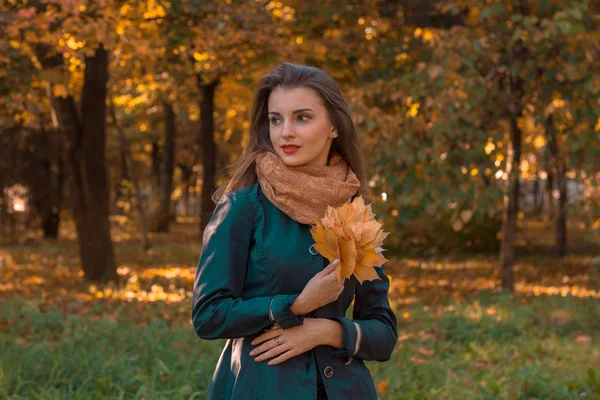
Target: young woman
point(260, 282)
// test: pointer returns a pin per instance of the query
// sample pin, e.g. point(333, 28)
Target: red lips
point(290, 148)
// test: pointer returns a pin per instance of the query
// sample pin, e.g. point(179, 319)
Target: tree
point(34, 30)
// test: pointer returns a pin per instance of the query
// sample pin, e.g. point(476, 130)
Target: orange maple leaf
point(352, 234)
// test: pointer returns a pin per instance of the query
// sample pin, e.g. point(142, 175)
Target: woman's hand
point(321, 290)
point(297, 340)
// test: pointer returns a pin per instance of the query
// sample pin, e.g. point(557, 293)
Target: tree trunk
point(42, 170)
point(53, 177)
point(51, 218)
point(166, 172)
point(155, 178)
point(3, 212)
point(511, 207)
point(120, 187)
point(550, 191)
point(512, 186)
point(536, 194)
point(559, 169)
point(85, 140)
point(208, 150)
point(136, 187)
point(186, 176)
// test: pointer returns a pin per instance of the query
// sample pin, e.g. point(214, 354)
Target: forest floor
point(460, 337)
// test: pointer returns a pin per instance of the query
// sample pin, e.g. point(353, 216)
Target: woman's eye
point(303, 118)
point(274, 121)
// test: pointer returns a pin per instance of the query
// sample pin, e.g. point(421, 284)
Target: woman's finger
point(274, 352)
point(283, 357)
point(268, 345)
point(330, 268)
point(266, 336)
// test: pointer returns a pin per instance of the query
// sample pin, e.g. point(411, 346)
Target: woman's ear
point(333, 133)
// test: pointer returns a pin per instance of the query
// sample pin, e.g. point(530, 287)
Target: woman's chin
point(291, 160)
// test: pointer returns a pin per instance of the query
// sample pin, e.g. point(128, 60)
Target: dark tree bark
point(186, 176)
point(536, 194)
point(512, 188)
point(155, 164)
point(511, 206)
point(40, 168)
point(3, 212)
point(550, 190)
point(53, 176)
point(559, 169)
point(208, 150)
point(85, 139)
point(166, 171)
point(51, 216)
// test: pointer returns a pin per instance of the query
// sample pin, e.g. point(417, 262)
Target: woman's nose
point(287, 130)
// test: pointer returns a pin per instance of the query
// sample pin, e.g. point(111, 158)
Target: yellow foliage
point(59, 90)
point(200, 56)
point(401, 57)
point(539, 142)
point(427, 35)
point(124, 9)
point(72, 43)
point(473, 16)
point(413, 110)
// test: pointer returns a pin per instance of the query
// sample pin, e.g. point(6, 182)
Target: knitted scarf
point(303, 193)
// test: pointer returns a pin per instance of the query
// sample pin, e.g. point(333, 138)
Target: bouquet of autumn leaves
point(351, 234)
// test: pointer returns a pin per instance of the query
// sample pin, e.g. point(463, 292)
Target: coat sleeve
point(218, 309)
point(372, 333)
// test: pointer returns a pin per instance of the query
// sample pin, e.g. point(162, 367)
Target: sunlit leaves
point(351, 234)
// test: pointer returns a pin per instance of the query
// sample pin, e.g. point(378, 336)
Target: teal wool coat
point(256, 259)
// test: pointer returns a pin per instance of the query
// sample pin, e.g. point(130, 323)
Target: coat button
point(328, 371)
point(312, 250)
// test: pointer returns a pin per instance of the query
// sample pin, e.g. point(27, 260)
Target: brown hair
point(289, 75)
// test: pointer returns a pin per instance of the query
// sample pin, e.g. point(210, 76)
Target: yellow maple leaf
point(325, 242)
point(351, 234)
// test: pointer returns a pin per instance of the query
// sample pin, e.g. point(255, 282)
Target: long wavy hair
point(289, 76)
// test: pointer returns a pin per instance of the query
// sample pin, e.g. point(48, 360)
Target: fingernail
point(336, 261)
point(251, 353)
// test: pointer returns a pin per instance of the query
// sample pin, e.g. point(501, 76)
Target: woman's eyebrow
point(293, 112)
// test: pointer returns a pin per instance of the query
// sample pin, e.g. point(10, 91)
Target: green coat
point(255, 257)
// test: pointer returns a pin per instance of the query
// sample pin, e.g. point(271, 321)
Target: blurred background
point(480, 120)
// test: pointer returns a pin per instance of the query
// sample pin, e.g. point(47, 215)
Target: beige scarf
point(303, 193)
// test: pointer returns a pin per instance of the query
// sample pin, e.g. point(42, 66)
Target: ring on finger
point(277, 341)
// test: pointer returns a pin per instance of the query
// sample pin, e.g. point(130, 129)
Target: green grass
point(491, 347)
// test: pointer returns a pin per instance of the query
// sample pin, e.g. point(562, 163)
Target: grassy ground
point(62, 338)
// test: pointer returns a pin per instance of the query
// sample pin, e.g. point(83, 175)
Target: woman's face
point(298, 117)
